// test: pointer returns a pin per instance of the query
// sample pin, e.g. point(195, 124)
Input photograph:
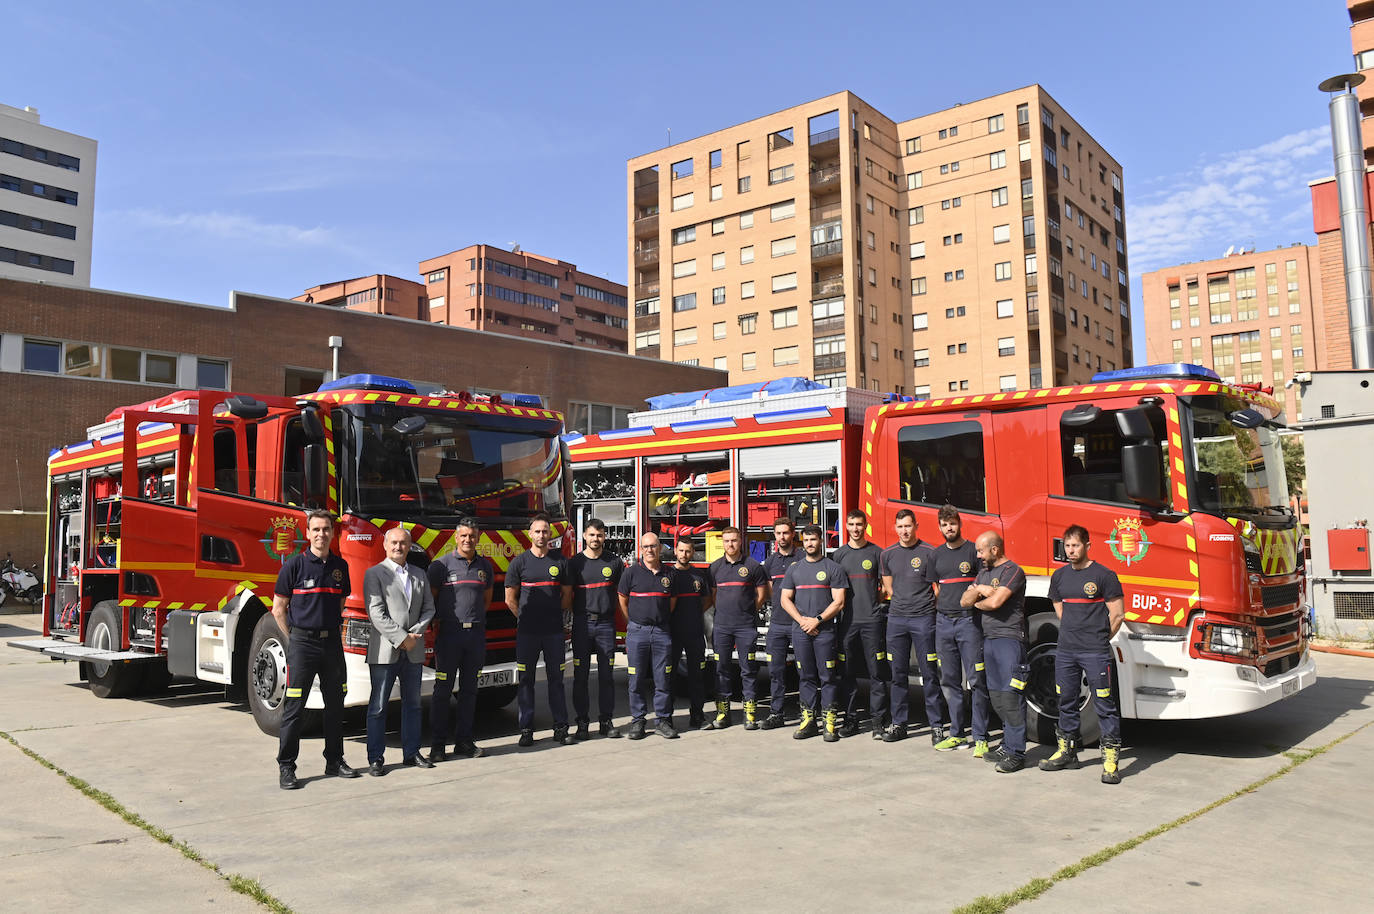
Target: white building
point(47, 200)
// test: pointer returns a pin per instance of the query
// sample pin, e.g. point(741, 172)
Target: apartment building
point(482, 287)
point(47, 199)
point(1254, 317)
point(917, 268)
point(379, 293)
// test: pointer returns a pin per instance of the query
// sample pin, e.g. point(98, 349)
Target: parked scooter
point(19, 582)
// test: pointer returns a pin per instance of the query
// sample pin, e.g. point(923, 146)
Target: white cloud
point(1254, 196)
point(231, 227)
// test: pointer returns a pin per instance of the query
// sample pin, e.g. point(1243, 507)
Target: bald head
point(649, 550)
point(990, 547)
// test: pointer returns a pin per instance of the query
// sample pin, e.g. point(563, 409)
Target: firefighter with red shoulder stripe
point(308, 607)
point(462, 583)
point(958, 635)
point(595, 575)
point(539, 593)
point(812, 594)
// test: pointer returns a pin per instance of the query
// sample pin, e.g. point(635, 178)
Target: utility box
point(1349, 549)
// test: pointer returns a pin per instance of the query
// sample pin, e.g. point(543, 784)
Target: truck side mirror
point(1140, 474)
point(311, 424)
point(1134, 424)
point(314, 474)
point(245, 407)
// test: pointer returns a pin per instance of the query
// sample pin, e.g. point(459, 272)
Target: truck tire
point(495, 698)
point(1042, 703)
point(267, 674)
point(109, 680)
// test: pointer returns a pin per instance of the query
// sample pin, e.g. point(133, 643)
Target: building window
point(916, 215)
point(1006, 382)
point(786, 355)
point(684, 268)
point(920, 321)
point(746, 220)
point(833, 307)
point(1004, 308)
point(921, 358)
point(873, 351)
point(748, 323)
point(718, 330)
point(717, 226)
point(784, 317)
point(717, 191)
point(718, 295)
point(996, 123)
point(997, 159)
point(917, 250)
point(687, 302)
point(872, 276)
point(1006, 345)
point(437, 276)
point(721, 363)
point(646, 339)
point(784, 246)
point(870, 204)
point(746, 289)
point(685, 336)
point(784, 282)
point(913, 145)
point(437, 302)
point(784, 210)
point(913, 180)
point(684, 235)
point(999, 196)
point(40, 355)
point(683, 201)
point(780, 175)
point(1001, 233)
point(718, 260)
point(748, 361)
point(1002, 271)
point(212, 374)
point(918, 285)
point(743, 184)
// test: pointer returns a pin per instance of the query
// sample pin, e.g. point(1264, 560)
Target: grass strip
point(995, 904)
point(241, 884)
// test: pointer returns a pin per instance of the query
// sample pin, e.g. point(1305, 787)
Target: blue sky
point(271, 147)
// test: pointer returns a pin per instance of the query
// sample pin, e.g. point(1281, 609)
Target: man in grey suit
point(401, 606)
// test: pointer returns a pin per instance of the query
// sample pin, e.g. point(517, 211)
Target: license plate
point(490, 678)
point(1289, 687)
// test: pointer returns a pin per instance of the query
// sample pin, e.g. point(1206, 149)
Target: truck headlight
point(1228, 640)
point(357, 633)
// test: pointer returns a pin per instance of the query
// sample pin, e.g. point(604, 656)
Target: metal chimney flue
point(1348, 150)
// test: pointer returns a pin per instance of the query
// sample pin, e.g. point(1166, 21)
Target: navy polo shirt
point(811, 582)
point(910, 570)
point(691, 586)
point(736, 586)
point(1009, 619)
point(861, 568)
point(649, 593)
point(594, 581)
point(315, 589)
point(540, 582)
point(776, 565)
point(955, 568)
point(461, 586)
point(1086, 624)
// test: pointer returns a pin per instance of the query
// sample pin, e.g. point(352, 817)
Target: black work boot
point(832, 729)
point(722, 718)
point(1066, 755)
point(584, 730)
point(807, 728)
point(1111, 759)
point(608, 728)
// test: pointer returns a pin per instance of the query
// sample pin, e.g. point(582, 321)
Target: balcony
point(1032, 282)
point(646, 306)
point(827, 213)
point(646, 290)
point(833, 361)
point(825, 179)
point(827, 251)
point(823, 326)
point(648, 352)
point(646, 255)
point(646, 226)
point(828, 287)
point(825, 136)
point(1061, 323)
point(646, 322)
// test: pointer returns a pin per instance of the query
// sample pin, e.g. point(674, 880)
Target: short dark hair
point(855, 512)
point(905, 513)
point(595, 523)
point(734, 530)
point(316, 514)
point(784, 522)
point(813, 530)
point(469, 522)
point(687, 541)
point(541, 516)
point(949, 514)
point(1078, 532)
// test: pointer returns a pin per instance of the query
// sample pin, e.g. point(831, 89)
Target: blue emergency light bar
point(533, 400)
point(1165, 370)
point(369, 382)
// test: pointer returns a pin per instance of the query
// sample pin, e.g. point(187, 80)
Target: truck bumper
point(1159, 681)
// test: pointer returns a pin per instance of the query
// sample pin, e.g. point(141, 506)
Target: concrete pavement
point(712, 819)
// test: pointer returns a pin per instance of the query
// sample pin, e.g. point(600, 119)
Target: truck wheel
point(1042, 702)
point(267, 675)
point(494, 699)
point(109, 680)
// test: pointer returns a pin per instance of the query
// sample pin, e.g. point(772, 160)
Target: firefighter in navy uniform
point(908, 580)
point(863, 628)
point(646, 598)
point(1091, 606)
point(462, 582)
point(958, 637)
point(740, 585)
point(692, 592)
point(308, 607)
point(999, 596)
point(538, 592)
point(779, 636)
point(812, 594)
point(595, 575)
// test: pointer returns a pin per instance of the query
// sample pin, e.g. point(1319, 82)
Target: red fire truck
point(167, 527)
point(1178, 478)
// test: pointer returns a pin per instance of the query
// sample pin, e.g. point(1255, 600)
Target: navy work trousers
point(1070, 669)
point(308, 656)
point(816, 662)
point(734, 644)
point(903, 634)
point(959, 642)
point(1007, 672)
point(459, 654)
point(867, 641)
point(528, 646)
point(648, 647)
point(778, 639)
point(689, 649)
point(593, 634)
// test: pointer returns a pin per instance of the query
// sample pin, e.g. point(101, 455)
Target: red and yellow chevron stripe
point(498, 546)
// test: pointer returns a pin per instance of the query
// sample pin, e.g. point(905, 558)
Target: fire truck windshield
point(404, 463)
point(1236, 470)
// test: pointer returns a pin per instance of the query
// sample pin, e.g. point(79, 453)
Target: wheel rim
point(100, 639)
point(269, 674)
point(1040, 690)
